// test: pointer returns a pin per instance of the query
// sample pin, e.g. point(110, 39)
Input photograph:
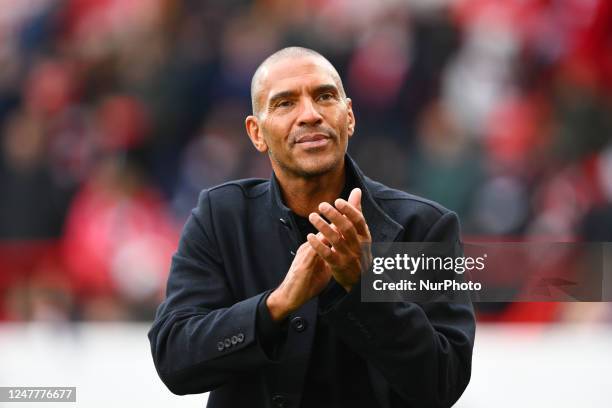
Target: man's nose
point(309, 115)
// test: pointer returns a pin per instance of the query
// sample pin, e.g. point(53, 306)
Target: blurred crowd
point(114, 114)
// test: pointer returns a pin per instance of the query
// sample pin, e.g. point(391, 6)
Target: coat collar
point(382, 227)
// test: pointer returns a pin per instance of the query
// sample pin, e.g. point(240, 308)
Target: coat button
point(234, 339)
point(228, 343)
point(220, 346)
point(240, 337)
point(299, 324)
point(280, 401)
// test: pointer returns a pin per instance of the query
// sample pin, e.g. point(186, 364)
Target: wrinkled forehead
point(295, 74)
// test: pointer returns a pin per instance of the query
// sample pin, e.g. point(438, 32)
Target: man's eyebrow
point(326, 88)
point(290, 94)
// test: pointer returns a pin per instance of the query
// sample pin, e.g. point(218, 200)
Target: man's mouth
point(312, 137)
point(313, 141)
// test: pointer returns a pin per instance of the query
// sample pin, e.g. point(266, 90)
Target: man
point(264, 303)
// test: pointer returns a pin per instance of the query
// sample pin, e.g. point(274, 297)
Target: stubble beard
point(316, 171)
point(303, 171)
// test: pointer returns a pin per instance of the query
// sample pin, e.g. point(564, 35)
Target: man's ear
point(255, 133)
point(351, 117)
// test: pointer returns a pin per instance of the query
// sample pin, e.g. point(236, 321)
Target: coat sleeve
point(202, 337)
point(421, 353)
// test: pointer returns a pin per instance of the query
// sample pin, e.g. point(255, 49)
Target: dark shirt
point(336, 376)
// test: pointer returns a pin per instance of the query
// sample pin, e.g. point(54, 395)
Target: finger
point(305, 247)
point(321, 249)
point(355, 198)
point(322, 238)
point(306, 252)
point(341, 222)
point(331, 234)
point(354, 215)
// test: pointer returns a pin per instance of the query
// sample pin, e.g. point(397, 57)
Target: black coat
point(238, 244)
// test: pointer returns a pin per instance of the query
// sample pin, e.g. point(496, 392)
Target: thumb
point(355, 198)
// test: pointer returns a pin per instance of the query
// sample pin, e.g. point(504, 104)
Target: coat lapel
point(382, 227)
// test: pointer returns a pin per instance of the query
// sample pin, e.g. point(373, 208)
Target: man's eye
point(284, 104)
point(326, 97)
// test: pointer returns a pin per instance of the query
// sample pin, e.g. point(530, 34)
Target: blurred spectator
point(118, 242)
point(445, 152)
point(218, 154)
point(32, 205)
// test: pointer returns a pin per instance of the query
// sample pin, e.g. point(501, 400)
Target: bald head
point(286, 53)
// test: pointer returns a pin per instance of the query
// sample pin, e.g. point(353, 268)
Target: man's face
point(304, 120)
